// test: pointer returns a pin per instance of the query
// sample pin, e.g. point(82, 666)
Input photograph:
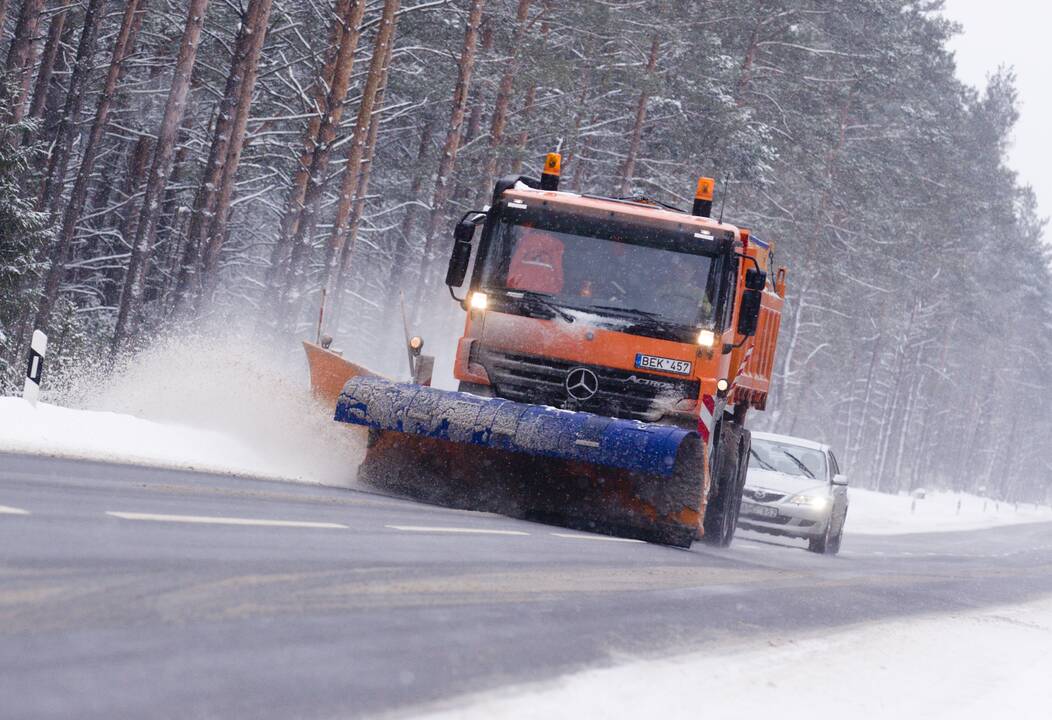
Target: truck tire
point(731, 463)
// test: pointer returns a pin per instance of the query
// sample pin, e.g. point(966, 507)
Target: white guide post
point(35, 369)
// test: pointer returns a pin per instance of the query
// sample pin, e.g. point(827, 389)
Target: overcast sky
point(1014, 32)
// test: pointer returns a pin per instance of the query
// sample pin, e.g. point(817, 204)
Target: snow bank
point(988, 664)
point(872, 513)
point(195, 403)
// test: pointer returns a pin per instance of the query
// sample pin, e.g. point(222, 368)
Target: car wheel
point(833, 545)
point(820, 543)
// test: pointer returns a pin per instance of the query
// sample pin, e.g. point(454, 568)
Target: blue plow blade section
point(505, 425)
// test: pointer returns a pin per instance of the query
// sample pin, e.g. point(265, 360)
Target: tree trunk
point(466, 181)
point(403, 245)
point(302, 240)
point(359, 145)
point(3, 16)
point(132, 293)
point(524, 136)
point(47, 63)
point(231, 119)
point(330, 87)
point(628, 171)
point(217, 231)
point(347, 250)
point(448, 159)
point(853, 448)
point(21, 58)
point(122, 48)
point(51, 195)
point(503, 99)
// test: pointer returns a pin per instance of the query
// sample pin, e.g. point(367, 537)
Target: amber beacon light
point(552, 167)
point(703, 197)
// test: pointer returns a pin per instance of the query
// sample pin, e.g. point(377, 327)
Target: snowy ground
point(230, 404)
point(872, 513)
point(989, 664)
point(190, 403)
point(282, 435)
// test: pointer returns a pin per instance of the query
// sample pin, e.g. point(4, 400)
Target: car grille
point(762, 495)
point(622, 393)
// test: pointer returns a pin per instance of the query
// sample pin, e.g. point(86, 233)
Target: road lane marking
point(607, 538)
point(438, 529)
point(6, 510)
point(212, 520)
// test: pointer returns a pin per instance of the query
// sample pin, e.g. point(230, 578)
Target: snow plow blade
point(617, 477)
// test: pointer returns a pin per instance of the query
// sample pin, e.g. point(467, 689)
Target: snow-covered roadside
point(119, 438)
point(280, 434)
point(872, 513)
point(984, 664)
point(200, 403)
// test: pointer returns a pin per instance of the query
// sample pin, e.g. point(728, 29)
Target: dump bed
point(752, 364)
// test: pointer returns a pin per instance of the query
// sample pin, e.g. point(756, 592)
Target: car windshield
point(787, 458)
point(635, 272)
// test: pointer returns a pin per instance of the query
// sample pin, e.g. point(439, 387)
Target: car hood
point(788, 484)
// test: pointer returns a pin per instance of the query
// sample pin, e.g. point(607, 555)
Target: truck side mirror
point(840, 480)
point(755, 279)
point(749, 315)
point(461, 255)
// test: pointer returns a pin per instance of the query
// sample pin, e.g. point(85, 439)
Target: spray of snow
point(223, 404)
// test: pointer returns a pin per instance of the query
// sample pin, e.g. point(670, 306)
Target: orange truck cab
point(625, 308)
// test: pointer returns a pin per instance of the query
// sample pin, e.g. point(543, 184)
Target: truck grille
point(625, 394)
point(762, 495)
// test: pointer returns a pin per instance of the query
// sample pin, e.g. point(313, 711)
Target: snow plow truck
point(612, 350)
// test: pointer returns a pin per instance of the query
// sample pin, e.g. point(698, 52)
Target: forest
point(167, 164)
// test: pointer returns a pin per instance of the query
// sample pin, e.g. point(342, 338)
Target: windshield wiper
point(653, 319)
point(540, 299)
point(799, 464)
point(763, 462)
point(627, 311)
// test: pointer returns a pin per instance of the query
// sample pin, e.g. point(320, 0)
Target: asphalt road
point(129, 592)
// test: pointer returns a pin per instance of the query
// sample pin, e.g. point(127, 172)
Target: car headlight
point(815, 502)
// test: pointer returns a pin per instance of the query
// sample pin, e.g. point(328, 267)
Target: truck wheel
point(721, 516)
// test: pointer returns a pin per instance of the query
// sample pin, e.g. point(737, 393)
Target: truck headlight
point(706, 338)
point(479, 301)
point(815, 502)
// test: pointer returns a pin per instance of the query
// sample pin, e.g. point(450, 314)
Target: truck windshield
point(630, 271)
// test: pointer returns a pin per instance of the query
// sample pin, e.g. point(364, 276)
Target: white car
point(794, 488)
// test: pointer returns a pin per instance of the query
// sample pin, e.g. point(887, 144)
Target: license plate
point(652, 362)
point(759, 510)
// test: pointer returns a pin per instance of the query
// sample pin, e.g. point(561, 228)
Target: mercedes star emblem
point(581, 384)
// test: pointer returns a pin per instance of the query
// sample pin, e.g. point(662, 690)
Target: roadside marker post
point(35, 367)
